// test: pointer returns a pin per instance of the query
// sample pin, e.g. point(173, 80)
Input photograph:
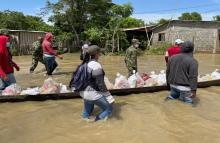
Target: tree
point(76, 16)
point(37, 24)
point(191, 16)
point(185, 16)
point(97, 20)
point(196, 16)
point(163, 21)
point(130, 22)
point(18, 21)
point(13, 20)
point(119, 14)
point(216, 18)
point(124, 10)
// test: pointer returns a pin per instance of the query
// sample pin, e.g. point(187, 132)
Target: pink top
point(47, 47)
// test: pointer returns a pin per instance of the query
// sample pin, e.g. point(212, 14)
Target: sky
point(147, 10)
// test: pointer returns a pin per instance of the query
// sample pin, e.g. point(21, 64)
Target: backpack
point(80, 78)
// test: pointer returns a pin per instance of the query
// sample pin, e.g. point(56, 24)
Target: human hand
point(193, 94)
point(60, 57)
point(5, 78)
point(17, 68)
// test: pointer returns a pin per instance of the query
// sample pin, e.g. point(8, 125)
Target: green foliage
point(163, 21)
point(37, 24)
point(78, 16)
point(130, 22)
point(18, 21)
point(124, 10)
point(159, 49)
point(94, 35)
point(191, 16)
point(14, 52)
point(216, 18)
point(61, 38)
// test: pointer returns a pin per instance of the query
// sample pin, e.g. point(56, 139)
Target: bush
point(120, 53)
point(159, 49)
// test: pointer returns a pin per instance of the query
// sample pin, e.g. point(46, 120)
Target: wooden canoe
point(119, 92)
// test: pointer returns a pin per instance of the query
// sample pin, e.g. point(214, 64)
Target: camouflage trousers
point(35, 61)
point(130, 70)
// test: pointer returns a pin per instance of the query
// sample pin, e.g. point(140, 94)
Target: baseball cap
point(94, 49)
point(85, 46)
point(135, 41)
point(179, 41)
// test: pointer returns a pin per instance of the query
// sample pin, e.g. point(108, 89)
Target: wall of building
point(25, 40)
point(205, 39)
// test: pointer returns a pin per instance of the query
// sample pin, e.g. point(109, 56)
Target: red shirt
point(174, 50)
point(5, 66)
point(47, 47)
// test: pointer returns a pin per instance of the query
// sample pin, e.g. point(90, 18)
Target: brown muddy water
point(136, 118)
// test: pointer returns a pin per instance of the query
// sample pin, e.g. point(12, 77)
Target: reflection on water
point(136, 118)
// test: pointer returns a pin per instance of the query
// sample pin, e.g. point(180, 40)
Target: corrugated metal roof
point(138, 28)
point(27, 31)
point(186, 22)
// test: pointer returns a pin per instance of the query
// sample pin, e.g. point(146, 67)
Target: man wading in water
point(37, 55)
point(6, 63)
point(49, 54)
point(182, 74)
point(131, 57)
point(94, 90)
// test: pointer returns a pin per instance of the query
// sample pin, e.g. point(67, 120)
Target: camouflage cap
point(4, 31)
point(135, 41)
point(94, 49)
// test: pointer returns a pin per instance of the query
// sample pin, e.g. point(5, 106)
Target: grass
point(158, 49)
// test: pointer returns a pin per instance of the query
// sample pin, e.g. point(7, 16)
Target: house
point(141, 33)
point(204, 34)
point(24, 39)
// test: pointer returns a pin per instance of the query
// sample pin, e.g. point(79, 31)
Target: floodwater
point(138, 118)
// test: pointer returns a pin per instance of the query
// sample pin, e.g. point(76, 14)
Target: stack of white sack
point(50, 86)
point(215, 74)
point(135, 80)
point(132, 80)
point(161, 78)
point(140, 80)
point(121, 82)
point(63, 89)
point(13, 89)
point(208, 77)
point(156, 80)
point(31, 91)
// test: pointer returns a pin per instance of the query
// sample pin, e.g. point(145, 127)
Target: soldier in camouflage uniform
point(37, 55)
point(131, 57)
